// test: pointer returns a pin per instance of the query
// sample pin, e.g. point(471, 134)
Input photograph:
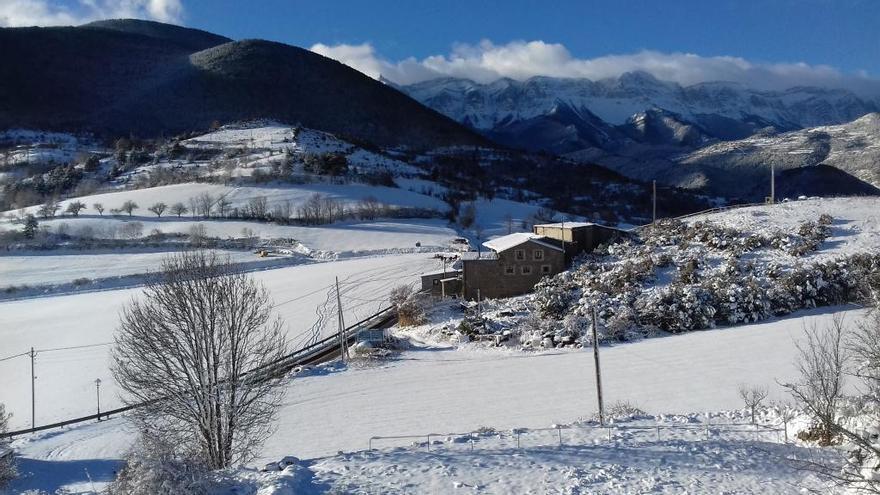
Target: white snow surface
point(443, 390)
point(65, 385)
point(509, 241)
point(855, 229)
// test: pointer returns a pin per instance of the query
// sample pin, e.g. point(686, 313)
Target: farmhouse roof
point(567, 225)
point(503, 243)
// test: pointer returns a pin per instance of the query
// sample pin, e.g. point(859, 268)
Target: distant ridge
point(147, 78)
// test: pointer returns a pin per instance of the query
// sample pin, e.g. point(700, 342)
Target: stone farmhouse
point(514, 263)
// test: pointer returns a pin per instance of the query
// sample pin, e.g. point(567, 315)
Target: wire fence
point(580, 434)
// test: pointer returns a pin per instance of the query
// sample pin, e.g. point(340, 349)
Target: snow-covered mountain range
point(721, 109)
point(702, 136)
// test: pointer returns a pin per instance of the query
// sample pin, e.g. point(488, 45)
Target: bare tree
point(257, 207)
point(49, 208)
point(7, 462)
point(205, 203)
point(223, 205)
point(824, 362)
point(158, 208)
point(370, 208)
point(129, 206)
point(192, 350)
point(74, 207)
point(752, 397)
point(198, 234)
point(178, 209)
point(821, 364)
point(99, 208)
point(194, 206)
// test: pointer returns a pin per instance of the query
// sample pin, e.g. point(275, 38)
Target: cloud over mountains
point(486, 61)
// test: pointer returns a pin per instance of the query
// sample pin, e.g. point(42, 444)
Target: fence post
point(429, 442)
point(517, 439)
point(370, 444)
point(785, 427)
point(658, 433)
point(559, 432)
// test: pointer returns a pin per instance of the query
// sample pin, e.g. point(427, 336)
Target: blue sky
point(841, 33)
point(766, 43)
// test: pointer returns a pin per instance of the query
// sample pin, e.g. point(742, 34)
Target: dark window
point(509, 270)
point(526, 270)
point(520, 254)
point(545, 268)
point(436, 281)
point(539, 254)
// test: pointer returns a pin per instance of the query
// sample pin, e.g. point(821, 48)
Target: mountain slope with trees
point(124, 77)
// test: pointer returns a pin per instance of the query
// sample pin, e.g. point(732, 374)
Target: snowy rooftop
point(448, 271)
point(568, 225)
point(473, 255)
point(509, 241)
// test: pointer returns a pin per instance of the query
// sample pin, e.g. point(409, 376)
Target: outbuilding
point(580, 237)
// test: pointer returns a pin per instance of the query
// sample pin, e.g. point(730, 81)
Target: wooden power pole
point(772, 184)
point(654, 202)
point(598, 370)
point(32, 354)
point(343, 348)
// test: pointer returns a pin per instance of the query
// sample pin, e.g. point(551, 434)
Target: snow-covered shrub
point(687, 270)
point(152, 468)
point(808, 238)
point(677, 308)
point(7, 462)
point(738, 298)
point(553, 296)
point(712, 235)
point(665, 232)
point(622, 324)
point(866, 269)
point(409, 305)
point(624, 410)
point(530, 331)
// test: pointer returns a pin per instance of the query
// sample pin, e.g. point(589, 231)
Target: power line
point(17, 355)
point(74, 347)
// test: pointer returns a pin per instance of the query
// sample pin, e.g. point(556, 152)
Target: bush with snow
point(153, 468)
point(680, 277)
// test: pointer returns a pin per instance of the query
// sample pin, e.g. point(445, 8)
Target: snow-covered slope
point(853, 147)
point(437, 390)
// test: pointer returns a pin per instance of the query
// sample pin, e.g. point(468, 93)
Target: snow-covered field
point(431, 387)
point(62, 266)
point(443, 390)
point(65, 385)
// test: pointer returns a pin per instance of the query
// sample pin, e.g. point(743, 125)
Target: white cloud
point(486, 62)
point(53, 13)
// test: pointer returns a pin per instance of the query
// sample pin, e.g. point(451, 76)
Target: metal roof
point(503, 243)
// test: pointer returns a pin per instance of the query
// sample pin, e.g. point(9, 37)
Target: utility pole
point(654, 203)
point(479, 303)
point(772, 184)
point(598, 370)
point(33, 389)
point(343, 349)
point(98, 395)
point(562, 231)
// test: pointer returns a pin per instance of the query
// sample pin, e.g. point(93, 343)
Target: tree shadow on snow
point(52, 476)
